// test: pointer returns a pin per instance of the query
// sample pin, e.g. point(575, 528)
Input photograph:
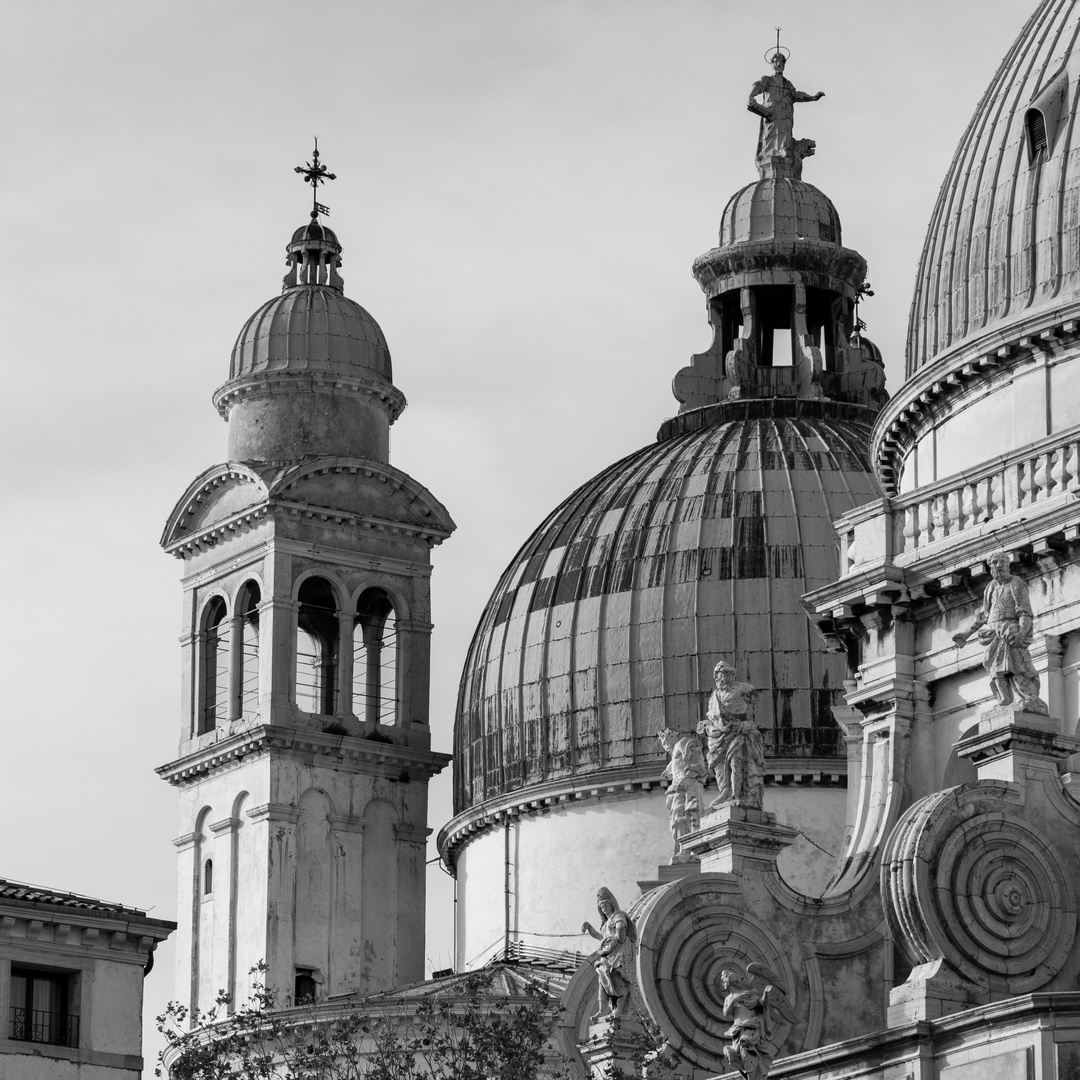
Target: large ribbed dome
point(607, 624)
point(1002, 240)
point(312, 329)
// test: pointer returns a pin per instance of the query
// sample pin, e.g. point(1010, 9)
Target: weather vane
point(314, 173)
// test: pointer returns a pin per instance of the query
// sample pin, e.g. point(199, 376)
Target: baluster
point(1009, 497)
point(1072, 472)
point(953, 523)
point(1059, 474)
point(910, 528)
point(933, 519)
point(984, 507)
point(969, 506)
point(1041, 476)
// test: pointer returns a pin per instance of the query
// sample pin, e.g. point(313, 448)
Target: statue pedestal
point(1013, 744)
point(616, 1048)
point(736, 839)
point(931, 991)
point(666, 873)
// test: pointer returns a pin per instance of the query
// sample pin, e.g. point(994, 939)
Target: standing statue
point(736, 748)
point(1003, 625)
point(755, 1011)
point(614, 962)
point(779, 153)
point(687, 774)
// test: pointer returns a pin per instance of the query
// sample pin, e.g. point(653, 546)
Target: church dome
point(1001, 244)
point(310, 371)
point(778, 208)
point(606, 625)
point(311, 329)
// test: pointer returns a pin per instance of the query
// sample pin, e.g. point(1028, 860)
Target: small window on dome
point(1035, 123)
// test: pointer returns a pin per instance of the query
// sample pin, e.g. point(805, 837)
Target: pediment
point(230, 493)
point(370, 492)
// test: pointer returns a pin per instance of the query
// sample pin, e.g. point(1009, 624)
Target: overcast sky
point(522, 188)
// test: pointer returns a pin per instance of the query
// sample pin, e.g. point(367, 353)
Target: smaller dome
point(777, 208)
point(309, 330)
point(311, 232)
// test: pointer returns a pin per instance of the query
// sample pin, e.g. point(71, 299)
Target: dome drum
point(287, 417)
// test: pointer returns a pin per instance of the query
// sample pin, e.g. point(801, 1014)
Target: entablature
point(355, 754)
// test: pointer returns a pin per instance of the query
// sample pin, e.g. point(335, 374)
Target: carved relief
point(696, 940)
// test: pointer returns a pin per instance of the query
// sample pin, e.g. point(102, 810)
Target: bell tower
point(304, 754)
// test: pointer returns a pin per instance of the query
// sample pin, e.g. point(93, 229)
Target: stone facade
point(71, 985)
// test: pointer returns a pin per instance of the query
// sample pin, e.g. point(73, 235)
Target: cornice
point(612, 784)
point(354, 753)
point(61, 929)
point(815, 263)
point(973, 369)
point(268, 384)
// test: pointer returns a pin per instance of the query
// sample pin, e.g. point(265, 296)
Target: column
point(345, 705)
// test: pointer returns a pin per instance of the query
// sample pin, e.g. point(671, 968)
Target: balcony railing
point(802, 742)
point(32, 1025)
point(982, 495)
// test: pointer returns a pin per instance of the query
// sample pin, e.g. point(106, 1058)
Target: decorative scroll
point(965, 879)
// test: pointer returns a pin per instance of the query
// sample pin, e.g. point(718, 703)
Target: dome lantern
point(780, 287)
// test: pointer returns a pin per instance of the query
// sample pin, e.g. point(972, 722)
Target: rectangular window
point(40, 1008)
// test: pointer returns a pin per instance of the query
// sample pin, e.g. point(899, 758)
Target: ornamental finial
point(315, 173)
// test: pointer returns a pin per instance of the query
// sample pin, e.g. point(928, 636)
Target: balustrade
point(1006, 484)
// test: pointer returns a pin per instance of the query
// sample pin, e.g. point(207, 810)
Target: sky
point(522, 188)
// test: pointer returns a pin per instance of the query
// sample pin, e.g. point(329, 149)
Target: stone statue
point(1003, 625)
point(736, 748)
point(614, 962)
point(687, 774)
point(755, 1011)
point(779, 153)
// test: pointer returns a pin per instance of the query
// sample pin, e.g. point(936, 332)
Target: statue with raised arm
point(779, 153)
point(756, 1004)
point(614, 961)
point(1003, 625)
point(686, 773)
point(736, 748)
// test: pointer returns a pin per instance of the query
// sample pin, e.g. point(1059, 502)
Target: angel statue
point(614, 961)
point(687, 773)
point(756, 1004)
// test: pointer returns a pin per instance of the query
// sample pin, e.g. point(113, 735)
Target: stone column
point(236, 668)
point(345, 704)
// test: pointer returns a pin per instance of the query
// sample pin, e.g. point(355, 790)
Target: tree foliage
point(463, 1033)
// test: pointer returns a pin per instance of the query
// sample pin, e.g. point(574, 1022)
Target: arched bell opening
point(375, 658)
point(316, 647)
point(247, 609)
point(213, 665)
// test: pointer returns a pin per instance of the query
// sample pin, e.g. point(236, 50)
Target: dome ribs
point(608, 621)
point(999, 239)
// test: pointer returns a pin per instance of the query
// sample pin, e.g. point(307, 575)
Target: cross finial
point(315, 173)
point(778, 29)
